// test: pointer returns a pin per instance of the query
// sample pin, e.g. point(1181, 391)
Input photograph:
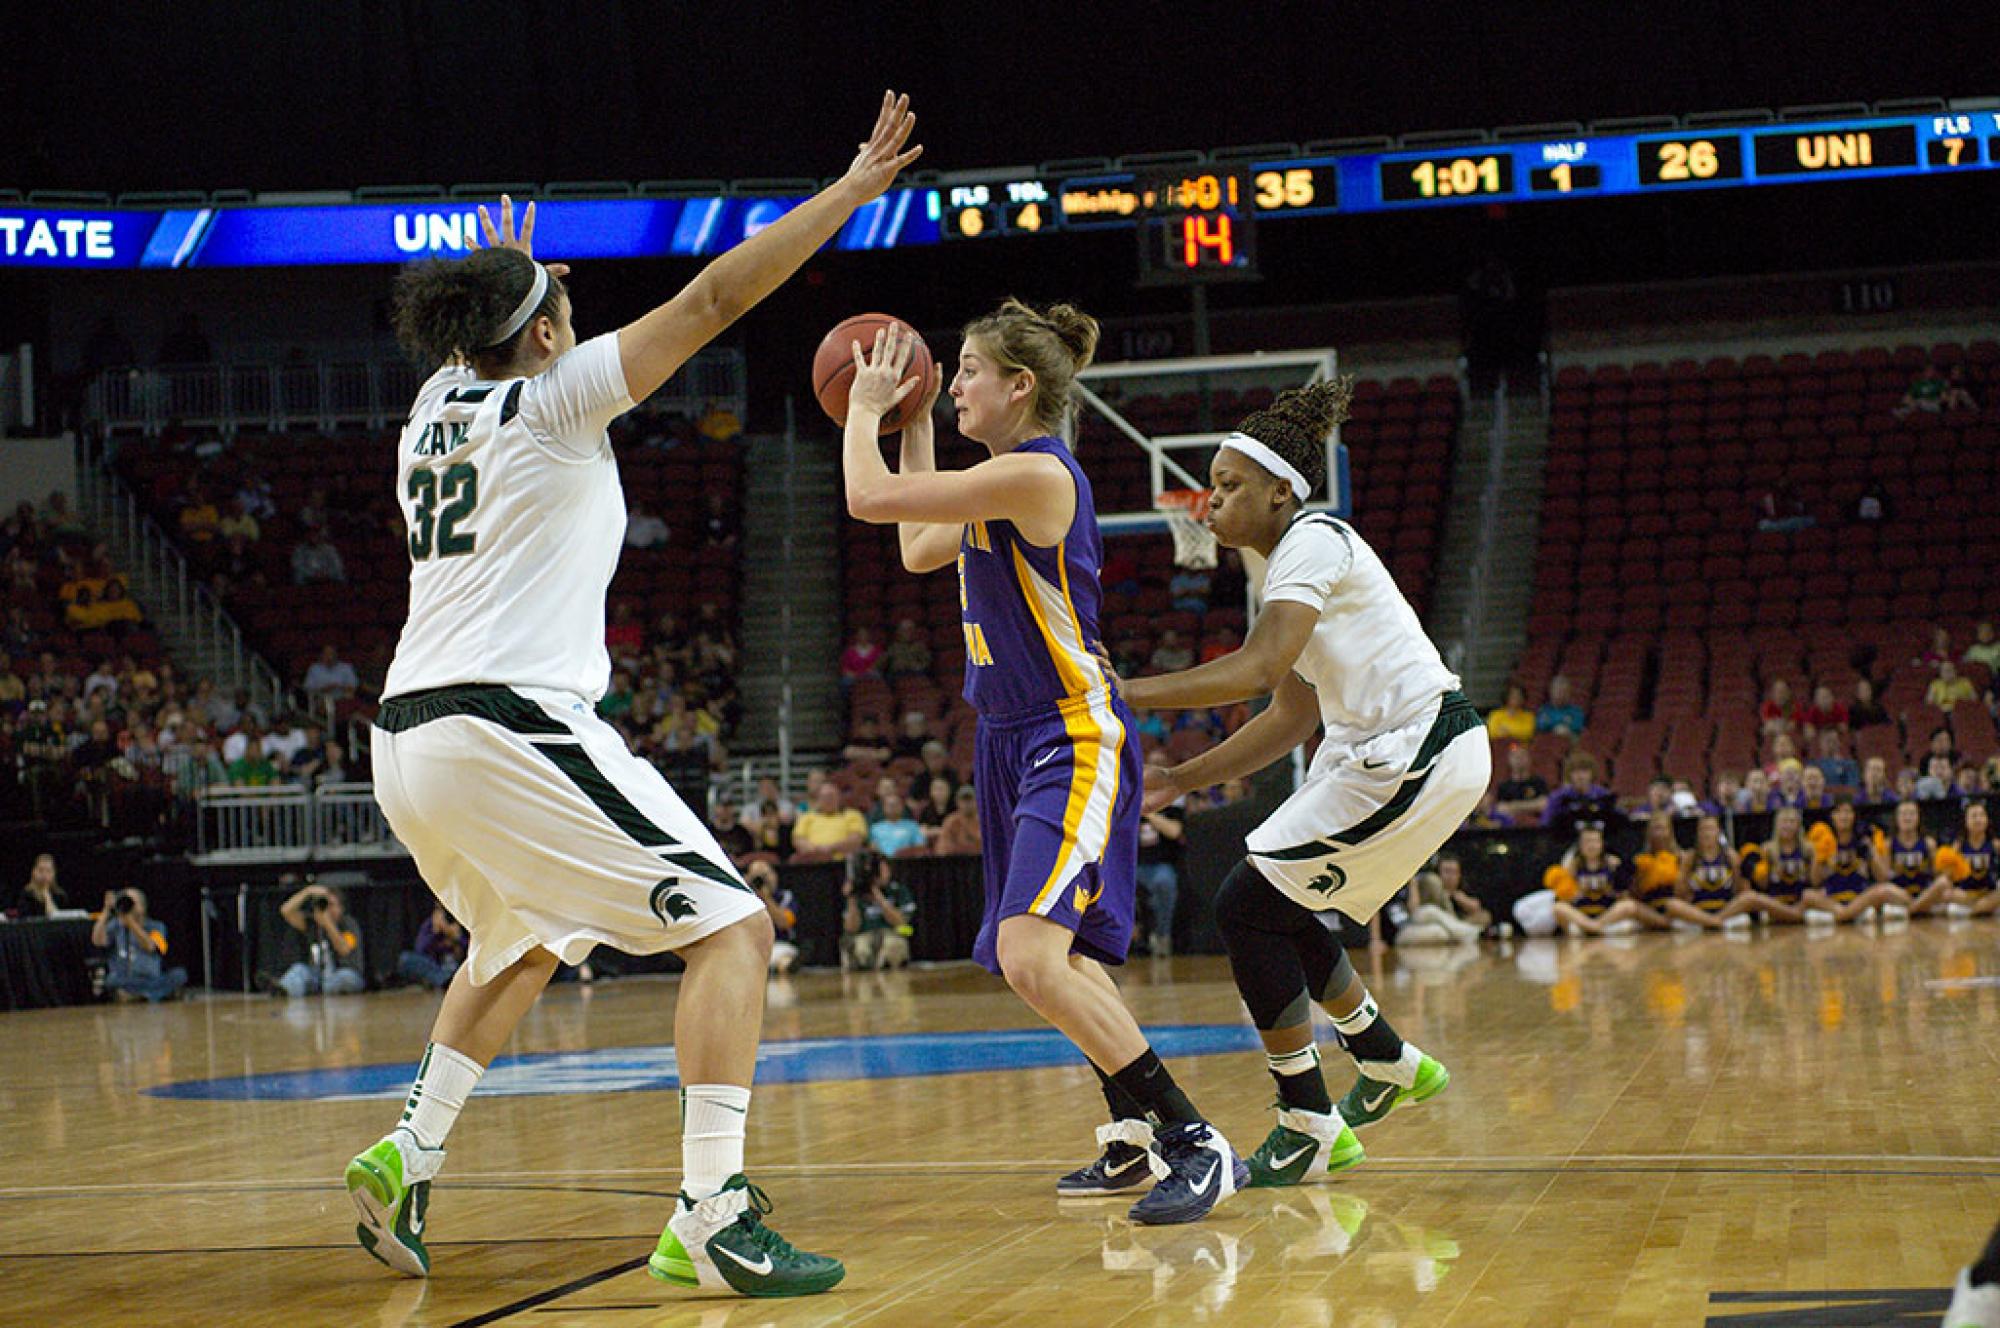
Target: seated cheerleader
point(1847, 871)
point(1708, 897)
point(1911, 856)
point(1656, 871)
point(1780, 872)
point(1968, 865)
point(1595, 882)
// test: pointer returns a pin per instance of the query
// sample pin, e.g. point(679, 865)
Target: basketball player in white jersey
point(525, 812)
point(1403, 763)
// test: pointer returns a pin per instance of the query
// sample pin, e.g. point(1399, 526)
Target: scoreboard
point(1198, 221)
point(1517, 172)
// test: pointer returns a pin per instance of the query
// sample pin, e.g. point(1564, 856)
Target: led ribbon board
point(1012, 204)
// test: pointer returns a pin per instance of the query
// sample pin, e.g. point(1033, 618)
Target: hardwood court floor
point(1644, 1131)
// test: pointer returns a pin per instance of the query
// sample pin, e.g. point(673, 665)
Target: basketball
point(833, 369)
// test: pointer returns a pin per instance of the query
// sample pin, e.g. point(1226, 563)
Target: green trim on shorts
point(1455, 717)
point(487, 701)
point(575, 762)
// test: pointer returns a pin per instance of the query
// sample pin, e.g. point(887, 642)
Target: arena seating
point(1670, 610)
point(357, 475)
point(1399, 443)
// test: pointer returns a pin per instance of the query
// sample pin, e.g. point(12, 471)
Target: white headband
point(1269, 460)
point(532, 301)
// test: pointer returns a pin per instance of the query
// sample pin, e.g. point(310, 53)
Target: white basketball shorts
point(532, 822)
point(1371, 813)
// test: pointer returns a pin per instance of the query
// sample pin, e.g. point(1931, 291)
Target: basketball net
point(1185, 510)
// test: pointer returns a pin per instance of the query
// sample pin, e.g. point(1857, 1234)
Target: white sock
point(712, 1120)
point(1303, 1061)
point(445, 1079)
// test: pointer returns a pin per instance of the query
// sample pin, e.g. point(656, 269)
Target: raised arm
point(1288, 721)
point(1032, 490)
point(658, 344)
point(1259, 667)
point(926, 545)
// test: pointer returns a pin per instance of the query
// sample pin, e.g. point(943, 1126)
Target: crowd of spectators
point(1809, 753)
point(673, 685)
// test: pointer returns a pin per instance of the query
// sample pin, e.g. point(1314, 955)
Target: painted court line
point(1522, 1161)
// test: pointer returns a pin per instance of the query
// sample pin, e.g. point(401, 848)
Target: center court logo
point(654, 1069)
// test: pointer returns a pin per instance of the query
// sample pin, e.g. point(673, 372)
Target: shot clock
point(1197, 226)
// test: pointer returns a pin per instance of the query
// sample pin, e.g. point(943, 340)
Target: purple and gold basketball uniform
point(1058, 769)
point(1711, 884)
point(1790, 872)
point(1980, 880)
point(1596, 888)
point(1847, 874)
point(1912, 866)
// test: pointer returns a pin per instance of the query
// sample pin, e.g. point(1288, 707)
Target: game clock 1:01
point(1458, 175)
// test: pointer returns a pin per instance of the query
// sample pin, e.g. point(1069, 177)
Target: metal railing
point(333, 394)
point(159, 578)
point(291, 824)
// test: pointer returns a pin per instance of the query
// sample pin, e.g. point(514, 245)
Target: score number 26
point(1284, 189)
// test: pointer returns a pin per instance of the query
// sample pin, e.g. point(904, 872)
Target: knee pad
point(1247, 903)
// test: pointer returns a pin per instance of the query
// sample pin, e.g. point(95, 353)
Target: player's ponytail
point(450, 310)
point(1054, 344)
point(1295, 425)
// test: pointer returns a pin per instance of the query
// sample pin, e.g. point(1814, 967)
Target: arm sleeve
point(571, 402)
point(1308, 565)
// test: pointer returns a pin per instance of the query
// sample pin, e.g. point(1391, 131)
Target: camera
point(123, 905)
point(863, 867)
point(311, 904)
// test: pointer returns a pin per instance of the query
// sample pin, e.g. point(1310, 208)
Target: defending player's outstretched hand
point(882, 157)
point(504, 237)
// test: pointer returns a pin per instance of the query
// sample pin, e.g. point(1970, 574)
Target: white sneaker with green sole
point(391, 1188)
point(722, 1244)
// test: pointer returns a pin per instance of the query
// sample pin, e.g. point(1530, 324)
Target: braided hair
point(1295, 425)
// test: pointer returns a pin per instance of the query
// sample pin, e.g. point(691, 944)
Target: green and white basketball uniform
point(1405, 757)
point(526, 813)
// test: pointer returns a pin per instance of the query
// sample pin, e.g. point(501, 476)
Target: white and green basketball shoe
point(1303, 1147)
point(1374, 1095)
point(722, 1244)
point(391, 1188)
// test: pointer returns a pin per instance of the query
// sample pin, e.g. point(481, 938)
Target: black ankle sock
point(1374, 1039)
point(1152, 1086)
point(1304, 1092)
point(1987, 1270)
point(1117, 1100)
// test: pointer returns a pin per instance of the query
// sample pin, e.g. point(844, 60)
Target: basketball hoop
point(1186, 510)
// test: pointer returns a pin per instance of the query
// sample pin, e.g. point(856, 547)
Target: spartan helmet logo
point(670, 905)
point(1329, 880)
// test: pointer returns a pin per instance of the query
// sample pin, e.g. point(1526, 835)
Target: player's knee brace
point(1261, 955)
point(1249, 906)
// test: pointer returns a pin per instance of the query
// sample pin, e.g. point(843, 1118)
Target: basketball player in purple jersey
point(1058, 776)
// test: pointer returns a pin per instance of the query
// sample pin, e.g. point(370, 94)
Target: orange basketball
point(833, 369)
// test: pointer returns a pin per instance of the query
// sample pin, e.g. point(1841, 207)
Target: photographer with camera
point(436, 953)
point(137, 945)
point(332, 944)
point(783, 906)
point(875, 920)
